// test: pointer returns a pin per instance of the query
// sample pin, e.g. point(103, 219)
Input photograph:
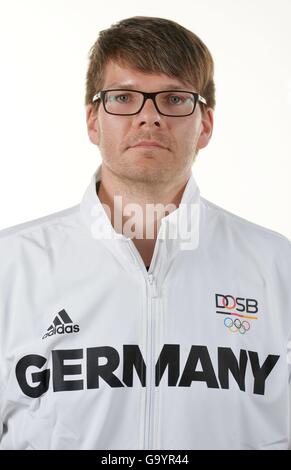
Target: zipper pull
point(151, 279)
point(153, 285)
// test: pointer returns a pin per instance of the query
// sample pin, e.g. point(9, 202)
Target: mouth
point(149, 145)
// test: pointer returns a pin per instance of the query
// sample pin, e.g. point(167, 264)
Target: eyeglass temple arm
point(96, 97)
point(200, 98)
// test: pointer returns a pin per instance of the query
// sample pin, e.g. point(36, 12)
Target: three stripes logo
point(239, 312)
point(61, 325)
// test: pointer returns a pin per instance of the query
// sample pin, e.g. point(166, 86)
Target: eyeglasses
point(122, 102)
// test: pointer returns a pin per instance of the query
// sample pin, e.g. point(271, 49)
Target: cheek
point(112, 132)
point(187, 136)
point(196, 132)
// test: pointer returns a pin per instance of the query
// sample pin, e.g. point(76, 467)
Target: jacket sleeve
point(289, 364)
point(289, 344)
point(2, 374)
point(6, 255)
point(1, 404)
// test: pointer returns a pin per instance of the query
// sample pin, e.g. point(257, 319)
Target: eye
point(175, 99)
point(122, 98)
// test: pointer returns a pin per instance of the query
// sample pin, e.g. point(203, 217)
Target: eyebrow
point(167, 86)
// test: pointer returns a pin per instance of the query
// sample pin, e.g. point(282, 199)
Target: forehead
point(119, 75)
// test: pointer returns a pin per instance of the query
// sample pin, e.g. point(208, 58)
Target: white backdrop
point(46, 158)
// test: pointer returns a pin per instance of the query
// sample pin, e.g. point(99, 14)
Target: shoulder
point(37, 229)
point(241, 229)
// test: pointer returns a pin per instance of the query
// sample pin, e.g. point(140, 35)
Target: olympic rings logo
point(236, 325)
point(231, 307)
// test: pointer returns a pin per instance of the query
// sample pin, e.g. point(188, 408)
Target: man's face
point(116, 136)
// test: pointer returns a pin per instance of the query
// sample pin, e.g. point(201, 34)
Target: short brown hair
point(152, 45)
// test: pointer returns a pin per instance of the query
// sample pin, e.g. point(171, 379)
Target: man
point(145, 317)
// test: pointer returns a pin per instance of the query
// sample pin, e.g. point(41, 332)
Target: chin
point(144, 173)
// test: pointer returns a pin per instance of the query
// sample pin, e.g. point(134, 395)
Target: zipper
point(153, 286)
point(150, 389)
point(152, 295)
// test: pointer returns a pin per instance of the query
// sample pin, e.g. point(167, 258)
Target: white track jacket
point(96, 352)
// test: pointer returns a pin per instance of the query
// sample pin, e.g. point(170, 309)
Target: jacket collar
point(178, 230)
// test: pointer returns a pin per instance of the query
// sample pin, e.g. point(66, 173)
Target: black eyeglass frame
point(100, 96)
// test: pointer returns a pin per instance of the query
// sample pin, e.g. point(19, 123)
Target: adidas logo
point(62, 324)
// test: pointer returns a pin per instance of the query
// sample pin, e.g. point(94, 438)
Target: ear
point(206, 127)
point(92, 124)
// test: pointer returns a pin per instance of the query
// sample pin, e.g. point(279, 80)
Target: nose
point(149, 114)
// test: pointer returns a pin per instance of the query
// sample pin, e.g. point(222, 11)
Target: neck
point(137, 208)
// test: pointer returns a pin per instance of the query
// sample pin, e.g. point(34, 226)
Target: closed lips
point(148, 143)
